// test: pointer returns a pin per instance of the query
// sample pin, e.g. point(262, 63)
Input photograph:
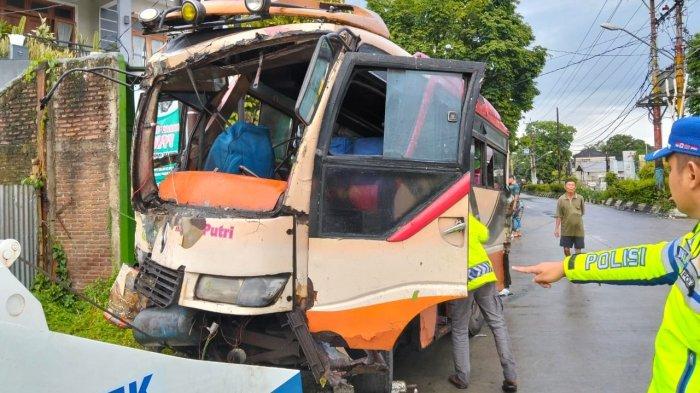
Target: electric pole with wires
point(655, 93)
point(681, 83)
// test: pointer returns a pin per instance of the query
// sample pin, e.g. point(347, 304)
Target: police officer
point(482, 290)
point(674, 263)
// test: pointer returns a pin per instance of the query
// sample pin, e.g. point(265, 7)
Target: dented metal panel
point(238, 247)
point(18, 220)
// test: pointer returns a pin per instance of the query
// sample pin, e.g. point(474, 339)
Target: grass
point(66, 313)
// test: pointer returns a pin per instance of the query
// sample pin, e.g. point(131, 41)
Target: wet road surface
point(570, 338)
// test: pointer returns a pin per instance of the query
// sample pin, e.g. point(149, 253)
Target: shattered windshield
point(234, 116)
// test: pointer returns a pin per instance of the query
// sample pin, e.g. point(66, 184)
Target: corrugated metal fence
point(18, 220)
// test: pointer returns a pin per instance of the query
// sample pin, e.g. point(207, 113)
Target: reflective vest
point(673, 263)
point(480, 269)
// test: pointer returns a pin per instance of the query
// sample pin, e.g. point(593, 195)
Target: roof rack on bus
point(201, 15)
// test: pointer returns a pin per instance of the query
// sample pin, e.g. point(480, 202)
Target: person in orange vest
point(481, 285)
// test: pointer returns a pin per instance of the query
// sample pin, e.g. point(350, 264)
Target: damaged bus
point(301, 186)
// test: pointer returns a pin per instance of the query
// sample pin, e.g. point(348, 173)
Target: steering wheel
point(246, 171)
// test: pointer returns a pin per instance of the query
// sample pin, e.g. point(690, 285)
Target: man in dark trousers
point(570, 220)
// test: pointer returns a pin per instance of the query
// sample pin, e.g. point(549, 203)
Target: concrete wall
point(11, 69)
point(82, 162)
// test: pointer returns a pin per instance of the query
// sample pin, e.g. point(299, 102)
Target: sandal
point(509, 386)
point(454, 380)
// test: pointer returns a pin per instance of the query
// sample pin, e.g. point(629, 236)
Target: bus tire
point(376, 382)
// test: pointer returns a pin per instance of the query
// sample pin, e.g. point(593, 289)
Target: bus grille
point(159, 284)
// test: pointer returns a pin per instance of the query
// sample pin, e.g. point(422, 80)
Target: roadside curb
point(622, 205)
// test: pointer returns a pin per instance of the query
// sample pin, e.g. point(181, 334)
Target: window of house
point(139, 47)
point(64, 31)
point(61, 18)
point(15, 3)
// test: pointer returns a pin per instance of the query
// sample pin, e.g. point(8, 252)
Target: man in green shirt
point(570, 219)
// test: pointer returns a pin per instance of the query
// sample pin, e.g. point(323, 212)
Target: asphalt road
point(570, 338)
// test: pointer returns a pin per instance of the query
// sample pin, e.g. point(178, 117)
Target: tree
point(490, 31)
point(616, 144)
point(693, 104)
point(551, 147)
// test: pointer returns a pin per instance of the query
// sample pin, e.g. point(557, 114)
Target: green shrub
point(591, 194)
point(557, 188)
point(80, 318)
point(611, 178)
point(638, 191)
point(536, 188)
point(647, 170)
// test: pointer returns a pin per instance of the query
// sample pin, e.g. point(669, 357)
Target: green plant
point(610, 178)
point(82, 318)
point(56, 292)
point(638, 191)
point(33, 180)
point(19, 27)
point(44, 50)
point(4, 47)
point(557, 188)
point(96, 41)
point(5, 27)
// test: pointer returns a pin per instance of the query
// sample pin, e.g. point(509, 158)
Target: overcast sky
point(595, 95)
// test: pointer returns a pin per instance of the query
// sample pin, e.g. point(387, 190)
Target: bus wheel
point(376, 382)
point(476, 322)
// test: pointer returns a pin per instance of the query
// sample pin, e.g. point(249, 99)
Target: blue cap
point(684, 138)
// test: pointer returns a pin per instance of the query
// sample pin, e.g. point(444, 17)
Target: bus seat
point(242, 144)
point(340, 145)
point(368, 146)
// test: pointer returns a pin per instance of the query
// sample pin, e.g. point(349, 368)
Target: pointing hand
point(545, 273)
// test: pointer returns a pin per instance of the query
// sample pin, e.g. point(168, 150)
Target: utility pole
point(533, 161)
point(679, 61)
point(559, 160)
point(655, 94)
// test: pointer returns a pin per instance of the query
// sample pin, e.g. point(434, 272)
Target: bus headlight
point(258, 6)
point(192, 11)
point(149, 17)
point(241, 291)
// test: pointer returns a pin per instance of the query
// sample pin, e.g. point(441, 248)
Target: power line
point(599, 86)
point(577, 49)
point(613, 103)
point(571, 88)
point(623, 115)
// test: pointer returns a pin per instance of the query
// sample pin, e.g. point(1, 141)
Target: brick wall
point(17, 131)
point(82, 163)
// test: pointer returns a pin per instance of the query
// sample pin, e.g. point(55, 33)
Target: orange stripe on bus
point(372, 327)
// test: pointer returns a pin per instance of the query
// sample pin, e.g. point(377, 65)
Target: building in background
point(591, 165)
point(76, 23)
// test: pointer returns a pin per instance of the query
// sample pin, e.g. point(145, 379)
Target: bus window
point(477, 150)
point(373, 120)
point(495, 168)
point(391, 130)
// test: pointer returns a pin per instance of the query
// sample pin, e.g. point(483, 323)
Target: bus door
point(390, 195)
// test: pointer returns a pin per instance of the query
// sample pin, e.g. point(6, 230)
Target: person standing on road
point(515, 205)
point(674, 263)
point(569, 217)
point(481, 284)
